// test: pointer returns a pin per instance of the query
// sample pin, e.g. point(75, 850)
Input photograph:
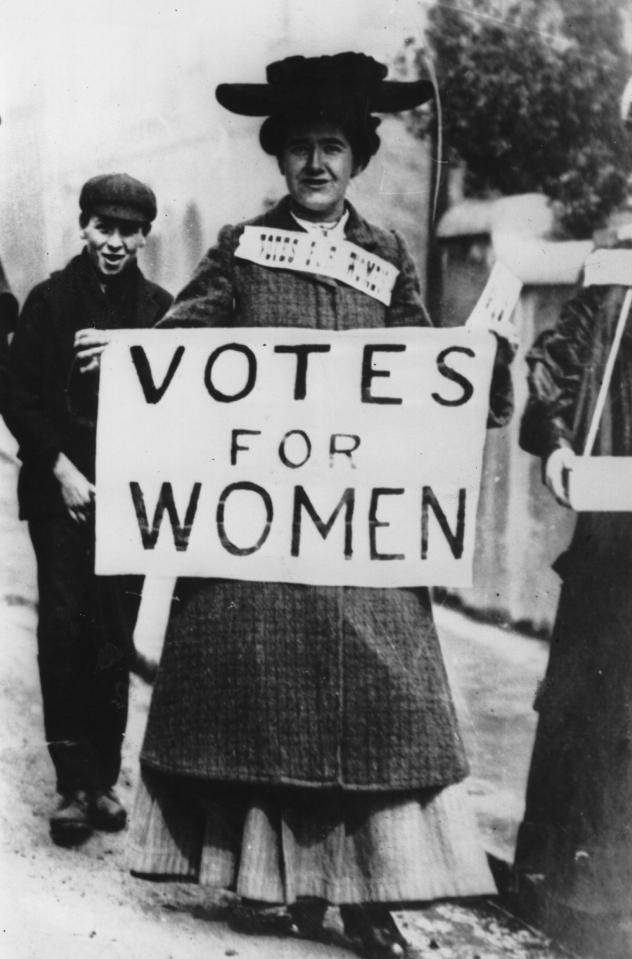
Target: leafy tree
point(530, 100)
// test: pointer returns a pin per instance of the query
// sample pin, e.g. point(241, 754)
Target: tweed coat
point(290, 684)
point(45, 396)
point(577, 828)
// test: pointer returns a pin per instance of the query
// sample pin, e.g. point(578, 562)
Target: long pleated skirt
point(278, 844)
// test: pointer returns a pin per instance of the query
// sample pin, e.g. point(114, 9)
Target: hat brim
point(264, 100)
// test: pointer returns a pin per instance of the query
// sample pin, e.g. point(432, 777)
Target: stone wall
point(521, 529)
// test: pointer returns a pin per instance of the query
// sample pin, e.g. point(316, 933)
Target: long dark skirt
point(577, 829)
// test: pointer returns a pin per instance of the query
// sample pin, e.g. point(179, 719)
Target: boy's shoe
point(107, 812)
point(71, 823)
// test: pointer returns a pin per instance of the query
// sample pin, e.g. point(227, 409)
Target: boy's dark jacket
point(41, 412)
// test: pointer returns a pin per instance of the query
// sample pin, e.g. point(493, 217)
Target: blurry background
point(88, 87)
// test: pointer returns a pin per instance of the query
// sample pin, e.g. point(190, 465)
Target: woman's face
point(317, 162)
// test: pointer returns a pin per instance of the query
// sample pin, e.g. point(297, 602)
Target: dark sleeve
point(556, 363)
point(208, 297)
point(8, 316)
point(28, 414)
point(4, 370)
point(406, 306)
point(83, 386)
point(165, 300)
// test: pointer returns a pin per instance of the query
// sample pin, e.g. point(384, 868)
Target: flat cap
point(120, 196)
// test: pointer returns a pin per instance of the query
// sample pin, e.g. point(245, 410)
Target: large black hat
point(299, 82)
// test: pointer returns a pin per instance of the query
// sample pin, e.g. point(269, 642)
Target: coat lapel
point(64, 309)
point(357, 231)
point(148, 311)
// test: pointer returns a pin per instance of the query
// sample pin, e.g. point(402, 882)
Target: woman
point(311, 728)
point(574, 852)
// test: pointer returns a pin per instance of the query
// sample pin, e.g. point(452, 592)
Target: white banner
point(338, 259)
point(495, 306)
point(294, 455)
point(601, 484)
point(606, 267)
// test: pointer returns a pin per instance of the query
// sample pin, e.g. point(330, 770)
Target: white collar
point(334, 230)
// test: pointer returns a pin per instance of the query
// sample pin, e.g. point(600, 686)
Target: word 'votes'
point(154, 392)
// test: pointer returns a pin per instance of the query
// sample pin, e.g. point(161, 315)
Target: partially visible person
point(85, 645)
point(8, 319)
point(573, 861)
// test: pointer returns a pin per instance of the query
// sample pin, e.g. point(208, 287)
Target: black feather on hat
point(299, 82)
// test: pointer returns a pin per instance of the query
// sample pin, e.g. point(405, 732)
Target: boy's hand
point(77, 491)
point(89, 345)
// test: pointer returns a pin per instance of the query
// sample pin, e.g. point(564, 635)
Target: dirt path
point(82, 903)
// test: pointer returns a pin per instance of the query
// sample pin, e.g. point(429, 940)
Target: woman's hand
point(77, 491)
point(508, 339)
point(556, 470)
point(89, 345)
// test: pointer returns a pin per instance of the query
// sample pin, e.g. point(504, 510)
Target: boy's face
point(112, 244)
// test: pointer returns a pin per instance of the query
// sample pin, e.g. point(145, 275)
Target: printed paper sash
point(338, 259)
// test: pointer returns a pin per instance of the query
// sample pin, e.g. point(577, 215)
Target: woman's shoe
point(374, 934)
point(303, 918)
point(106, 811)
point(307, 917)
point(254, 918)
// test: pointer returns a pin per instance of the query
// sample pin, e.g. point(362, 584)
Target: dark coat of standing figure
point(302, 746)
point(575, 842)
point(84, 628)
